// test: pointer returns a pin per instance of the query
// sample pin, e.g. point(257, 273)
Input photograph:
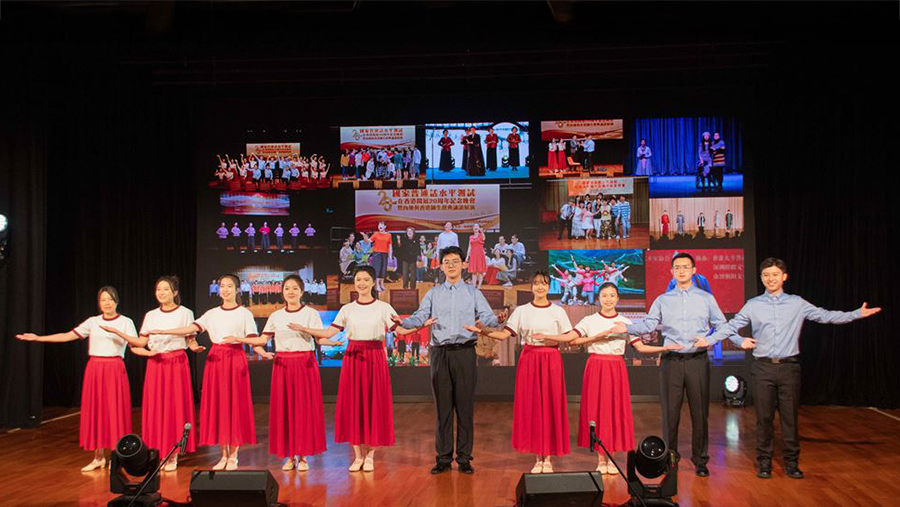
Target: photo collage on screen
point(593, 201)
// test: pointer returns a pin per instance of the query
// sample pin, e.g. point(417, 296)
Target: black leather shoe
point(702, 471)
point(764, 471)
point(440, 468)
point(793, 471)
point(466, 468)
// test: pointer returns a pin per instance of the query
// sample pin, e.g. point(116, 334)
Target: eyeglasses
point(682, 268)
point(452, 263)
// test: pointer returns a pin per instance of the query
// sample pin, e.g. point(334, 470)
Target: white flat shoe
point(547, 468)
point(611, 469)
point(94, 465)
point(171, 465)
point(302, 465)
point(369, 465)
point(231, 464)
point(288, 465)
point(601, 468)
point(221, 464)
point(538, 467)
point(356, 466)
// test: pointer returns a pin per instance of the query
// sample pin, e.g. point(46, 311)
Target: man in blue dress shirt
point(686, 314)
point(448, 308)
point(776, 319)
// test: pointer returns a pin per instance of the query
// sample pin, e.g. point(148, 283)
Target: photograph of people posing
point(576, 275)
point(477, 150)
point(713, 222)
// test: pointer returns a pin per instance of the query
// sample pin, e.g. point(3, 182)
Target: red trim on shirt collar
point(364, 304)
point(548, 305)
point(605, 317)
point(169, 311)
point(294, 311)
point(229, 309)
point(114, 318)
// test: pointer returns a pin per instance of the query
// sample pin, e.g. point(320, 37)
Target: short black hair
point(768, 262)
point(451, 250)
point(542, 274)
point(684, 255)
point(608, 284)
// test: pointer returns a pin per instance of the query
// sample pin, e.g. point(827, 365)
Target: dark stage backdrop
point(120, 192)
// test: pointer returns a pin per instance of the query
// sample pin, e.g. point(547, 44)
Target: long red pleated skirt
point(168, 402)
point(551, 160)
point(606, 400)
point(226, 408)
point(105, 403)
point(540, 411)
point(365, 411)
point(296, 421)
point(562, 160)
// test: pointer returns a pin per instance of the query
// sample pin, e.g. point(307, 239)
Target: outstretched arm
point(500, 334)
point(326, 333)
point(652, 349)
point(824, 316)
point(50, 338)
point(561, 338)
point(420, 316)
point(141, 351)
point(134, 341)
point(402, 331)
point(178, 331)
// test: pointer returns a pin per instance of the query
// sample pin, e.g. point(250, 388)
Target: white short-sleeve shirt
point(365, 321)
point(166, 319)
point(597, 323)
point(221, 322)
point(103, 343)
point(288, 340)
point(528, 320)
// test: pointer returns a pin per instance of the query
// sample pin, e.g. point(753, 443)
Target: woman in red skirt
point(605, 393)
point(540, 412)
point(365, 414)
point(226, 408)
point(475, 258)
point(168, 394)
point(296, 422)
point(105, 394)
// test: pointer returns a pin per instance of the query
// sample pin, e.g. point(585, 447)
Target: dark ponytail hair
point(371, 271)
point(295, 278)
point(172, 280)
point(541, 274)
point(609, 284)
point(109, 289)
point(237, 285)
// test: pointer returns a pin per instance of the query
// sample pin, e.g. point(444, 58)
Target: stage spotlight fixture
point(735, 391)
point(4, 235)
point(131, 455)
point(652, 459)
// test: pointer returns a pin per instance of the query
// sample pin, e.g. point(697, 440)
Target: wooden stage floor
point(850, 457)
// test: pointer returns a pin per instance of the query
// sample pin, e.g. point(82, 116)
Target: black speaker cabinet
point(572, 489)
point(366, 185)
point(247, 488)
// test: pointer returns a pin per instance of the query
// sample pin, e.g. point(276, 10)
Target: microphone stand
point(631, 490)
point(146, 482)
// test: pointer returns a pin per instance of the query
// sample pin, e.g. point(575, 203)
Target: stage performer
point(514, 139)
point(168, 393)
point(445, 143)
point(454, 304)
point(365, 414)
point(540, 411)
point(105, 394)
point(226, 408)
point(476, 157)
point(686, 314)
point(776, 320)
point(490, 141)
point(605, 393)
point(644, 167)
point(475, 257)
point(382, 250)
point(296, 420)
point(664, 219)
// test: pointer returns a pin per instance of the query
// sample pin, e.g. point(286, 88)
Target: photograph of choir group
point(270, 173)
point(712, 221)
point(597, 213)
point(479, 150)
point(582, 146)
point(594, 213)
point(265, 237)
